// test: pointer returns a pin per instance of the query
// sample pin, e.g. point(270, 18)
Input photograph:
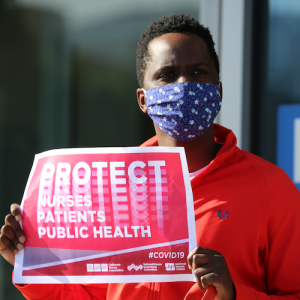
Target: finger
point(200, 260)
point(10, 257)
point(190, 258)
point(16, 211)
point(218, 279)
point(224, 286)
point(16, 228)
point(200, 250)
point(2, 247)
point(201, 271)
point(9, 240)
point(208, 279)
point(199, 283)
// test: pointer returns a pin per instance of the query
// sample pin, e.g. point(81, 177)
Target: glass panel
point(67, 79)
point(283, 75)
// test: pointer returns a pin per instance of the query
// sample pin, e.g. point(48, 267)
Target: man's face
point(179, 57)
point(175, 58)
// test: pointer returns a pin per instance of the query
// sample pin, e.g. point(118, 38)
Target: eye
point(166, 75)
point(199, 72)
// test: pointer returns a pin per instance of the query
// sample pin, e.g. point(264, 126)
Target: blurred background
point(67, 79)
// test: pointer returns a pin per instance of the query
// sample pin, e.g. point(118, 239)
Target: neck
point(199, 152)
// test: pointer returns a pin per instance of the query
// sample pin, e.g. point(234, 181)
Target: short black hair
point(168, 24)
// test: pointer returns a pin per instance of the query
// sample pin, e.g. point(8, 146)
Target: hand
point(210, 268)
point(12, 237)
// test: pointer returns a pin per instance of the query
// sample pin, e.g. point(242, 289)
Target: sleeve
point(282, 250)
point(282, 253)
point(60, 291)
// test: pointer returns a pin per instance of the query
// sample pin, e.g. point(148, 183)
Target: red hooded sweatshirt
point(245, 208)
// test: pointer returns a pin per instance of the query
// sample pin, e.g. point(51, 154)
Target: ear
point(141, 98)
point(221, 89)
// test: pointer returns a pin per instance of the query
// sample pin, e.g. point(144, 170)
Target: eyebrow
point(200, 64)
point(172, 66)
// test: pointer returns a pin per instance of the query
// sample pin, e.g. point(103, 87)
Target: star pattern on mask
point(184, 110)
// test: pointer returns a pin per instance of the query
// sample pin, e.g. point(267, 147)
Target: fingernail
point(22, 239)
point(16, 251)
point(20, 246)
point(18, 218)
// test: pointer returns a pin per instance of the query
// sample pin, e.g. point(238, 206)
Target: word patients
point(100, 199)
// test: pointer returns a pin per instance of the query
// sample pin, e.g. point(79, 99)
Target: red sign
point(110, 212)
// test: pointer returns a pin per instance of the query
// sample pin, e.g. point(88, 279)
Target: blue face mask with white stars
point(184, 110)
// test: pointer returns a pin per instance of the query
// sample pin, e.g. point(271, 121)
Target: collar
point(222, 135)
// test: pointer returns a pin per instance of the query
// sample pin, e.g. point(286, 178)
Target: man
point(246, 209)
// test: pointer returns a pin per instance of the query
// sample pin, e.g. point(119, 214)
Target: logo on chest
point(220, 214)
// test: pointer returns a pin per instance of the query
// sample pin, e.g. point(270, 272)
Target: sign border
point(19, 258)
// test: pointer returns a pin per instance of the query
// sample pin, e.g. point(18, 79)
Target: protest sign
point(107, 215)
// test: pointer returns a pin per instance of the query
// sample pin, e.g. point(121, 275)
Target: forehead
point(172, 48)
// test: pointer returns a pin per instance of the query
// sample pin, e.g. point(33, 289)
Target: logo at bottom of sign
point(97, 267)
point(170, 266)
point(134, 267)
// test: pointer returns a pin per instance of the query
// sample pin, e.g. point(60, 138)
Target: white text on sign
point(65, 196)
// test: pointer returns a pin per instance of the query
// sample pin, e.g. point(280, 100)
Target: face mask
point(185, 110)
